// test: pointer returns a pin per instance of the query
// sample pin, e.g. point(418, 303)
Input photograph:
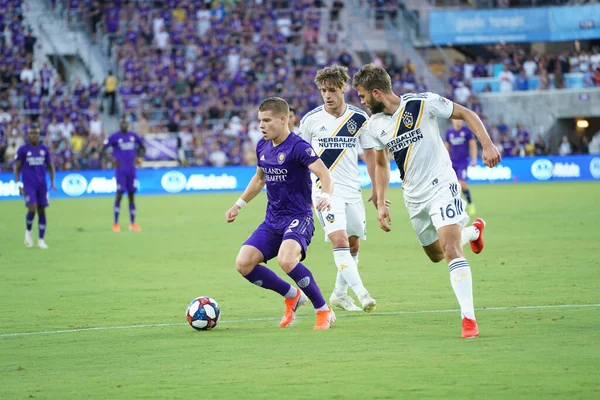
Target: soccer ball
point(203, 313)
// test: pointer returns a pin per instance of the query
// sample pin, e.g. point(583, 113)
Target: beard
point(375, 106)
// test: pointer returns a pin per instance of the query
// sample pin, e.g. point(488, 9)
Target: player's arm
point(17, 173)
point(52, 173)
point(382, 179)
point(253, 188)
point(322, 172)
point(105, 155)
point(370, 158)
point(473, 151)
point(141, 150)
point(491, 155)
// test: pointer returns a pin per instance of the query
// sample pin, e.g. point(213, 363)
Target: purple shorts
point(126, 180)
point(36, 195)
point(461, 171)
point(268, 239)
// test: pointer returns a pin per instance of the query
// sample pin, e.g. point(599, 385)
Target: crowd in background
point(198, 69)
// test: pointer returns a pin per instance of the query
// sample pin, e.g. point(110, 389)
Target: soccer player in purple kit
point(33, 160)
point(461, 145)
point(285, 161)
point(127, 150)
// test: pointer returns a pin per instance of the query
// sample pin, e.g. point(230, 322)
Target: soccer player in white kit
point(335, 130)
point(407, 127)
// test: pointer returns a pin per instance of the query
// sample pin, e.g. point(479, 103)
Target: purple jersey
point(33, 164)
point(459, 144)
point(124, 147)
point(287, 178)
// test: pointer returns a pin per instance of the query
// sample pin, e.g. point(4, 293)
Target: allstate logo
point(173, 181)
point(542, 169)
point(74, 185)
point(595, 167)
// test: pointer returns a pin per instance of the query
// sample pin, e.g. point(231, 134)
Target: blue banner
point(574, 23)
point(71, 184)
point(540, 24)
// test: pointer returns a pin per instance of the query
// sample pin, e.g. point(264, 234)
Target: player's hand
point(138, 161)
point(232, 213)
point(53, 187)
point(322, 202)
point(116, 163)
point(22, 191)
point(383, 216)
point(491, 156)
point(373, 198)
point(473, 162)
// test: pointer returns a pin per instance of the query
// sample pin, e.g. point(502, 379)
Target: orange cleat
point(469, 328)
point(135, 227)
point(291, 305)
point(477, 244)
point(324, 320)
point(116, 228)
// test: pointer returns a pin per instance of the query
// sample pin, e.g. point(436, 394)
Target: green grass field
point(121, 299)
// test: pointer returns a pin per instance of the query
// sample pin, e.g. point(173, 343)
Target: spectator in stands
point(540, 146)
point(506, 79)
point(559, 77)
point(462, 94)
point(588, 77)
point(597, 77)
point(522, 82)
point(584, 145)
point(544, 80)
point(565, 147)
point(110, 92)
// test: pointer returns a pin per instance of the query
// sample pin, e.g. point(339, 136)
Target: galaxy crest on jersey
point(337, 140)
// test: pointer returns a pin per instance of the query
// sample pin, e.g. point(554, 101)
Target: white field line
point(237, 321)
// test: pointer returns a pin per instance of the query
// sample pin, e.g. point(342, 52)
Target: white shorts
point(344, 216)
point(445, 208)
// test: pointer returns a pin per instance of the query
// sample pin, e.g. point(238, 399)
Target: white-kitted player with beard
point(335, 130)
point(407, 127)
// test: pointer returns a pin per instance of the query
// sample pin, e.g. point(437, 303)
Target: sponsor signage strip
point(72, 184)
point(536, 24)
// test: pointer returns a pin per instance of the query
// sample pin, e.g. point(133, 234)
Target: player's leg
point(117, 211)
point(292, 251)
point(448, 216)
point(347, 273)
point(130, 183)
point(461, 174)
point(41, 227)
point(30, 203)
point(357, 230)
point(334, 223)
point(42, 203)
point(261, 246)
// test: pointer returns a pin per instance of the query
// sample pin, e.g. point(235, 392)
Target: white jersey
point(336, 141)
point(412, 135)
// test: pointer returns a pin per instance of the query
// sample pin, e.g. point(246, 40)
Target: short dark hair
point(276, 105)
point(372, 77)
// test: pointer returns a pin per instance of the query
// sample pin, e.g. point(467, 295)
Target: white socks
point(462, 284)
point(469, 233)
point(291, 293)
point(347, 272)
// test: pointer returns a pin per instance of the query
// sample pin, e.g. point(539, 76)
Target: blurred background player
point(33, 160)
point(461, 145)
point(293, 121)
point(284, 165)
point(127, 150)
point(335, 132)
point(407, 127)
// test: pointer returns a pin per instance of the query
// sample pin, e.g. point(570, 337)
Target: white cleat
point(28, 239)
point(344, 302)
point(368, 303)
point(42, 244)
